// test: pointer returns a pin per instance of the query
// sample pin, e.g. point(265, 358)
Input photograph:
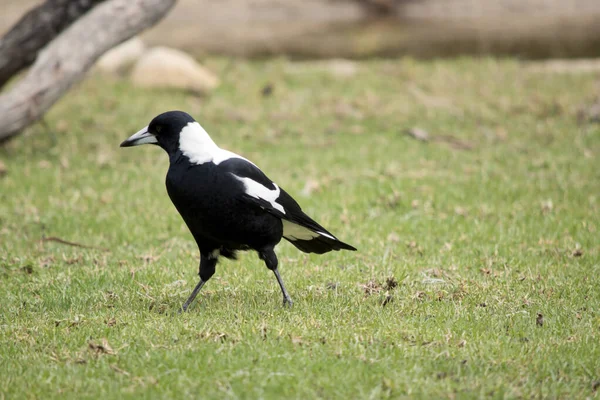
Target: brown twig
point(66, 242)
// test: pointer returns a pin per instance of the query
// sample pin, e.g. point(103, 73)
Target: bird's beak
point(140, 137)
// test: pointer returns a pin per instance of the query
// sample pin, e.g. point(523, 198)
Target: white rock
point(170, 68)
point(124, 55)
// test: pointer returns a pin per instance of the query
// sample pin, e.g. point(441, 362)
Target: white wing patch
point(196, 144)
point(258, 191)
point(294, 231)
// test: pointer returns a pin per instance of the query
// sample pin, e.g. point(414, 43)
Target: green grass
point(479, 241)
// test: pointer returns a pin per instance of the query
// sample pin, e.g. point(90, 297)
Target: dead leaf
point(435, 272)
point(28, 269)
point(64, 162)
point(417, 133)
point(76, 321)
point(577, 252)
point(347, 111)
point(390, 283)
point(547, 206)
point(310, 187)
point(392, 200)
point(539, 321)
point(267, 90)
point(44, 164)
point(119, 370)
point(460, 211)
point(103, 348)
point(220, 337)
point(357, 130)
point(501, 133)
point(103, 158)
point(62, 126)
point(446, 247)
point(74, 260)
point(148, 258)
point(47, 261)
point(419, 295)
point(297, 340)
point(393, 237)
point(106, 197)
point(372, 287)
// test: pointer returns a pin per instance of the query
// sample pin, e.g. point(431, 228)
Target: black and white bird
point(226, 201)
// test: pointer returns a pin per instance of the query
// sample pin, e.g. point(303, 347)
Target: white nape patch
point(294, 231)
point(258, 191)
point(196, 144)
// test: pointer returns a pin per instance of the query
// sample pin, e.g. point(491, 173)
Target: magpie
point(227, 202)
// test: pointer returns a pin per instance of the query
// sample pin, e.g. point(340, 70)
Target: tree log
point(66, 59)
point(20, 46)
point(366, 28)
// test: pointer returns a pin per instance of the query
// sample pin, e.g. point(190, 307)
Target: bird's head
point(163, 130)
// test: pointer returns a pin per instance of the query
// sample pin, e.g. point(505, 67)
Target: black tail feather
point(319, 245)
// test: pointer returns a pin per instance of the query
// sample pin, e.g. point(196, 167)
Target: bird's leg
point(287, 300)
point(193, 295)
point(207, 269)
point(271, 261)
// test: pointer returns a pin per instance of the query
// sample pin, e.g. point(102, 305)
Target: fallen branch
point(19, 47)
point(66, 59)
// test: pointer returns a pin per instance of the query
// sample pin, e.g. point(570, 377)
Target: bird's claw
point(287, 302)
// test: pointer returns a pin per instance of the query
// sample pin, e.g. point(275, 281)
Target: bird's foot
point(192, 296)
point(287, 301)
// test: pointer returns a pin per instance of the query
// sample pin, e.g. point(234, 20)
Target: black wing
point(299, 229)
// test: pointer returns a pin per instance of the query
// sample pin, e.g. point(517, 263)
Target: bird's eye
point(158, 128)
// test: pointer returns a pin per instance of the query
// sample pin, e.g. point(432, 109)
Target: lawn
point(478, 262)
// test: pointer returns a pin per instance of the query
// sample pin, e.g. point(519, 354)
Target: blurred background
point(455, 143)
point(364, 28)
